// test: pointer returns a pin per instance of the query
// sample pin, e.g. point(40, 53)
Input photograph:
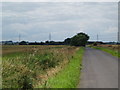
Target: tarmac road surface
point(100, 70)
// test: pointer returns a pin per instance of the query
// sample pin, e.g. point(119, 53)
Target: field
point(28, 66)
point(112, 49)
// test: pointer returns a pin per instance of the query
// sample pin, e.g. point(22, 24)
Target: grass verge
point(70, 76)
point(110, 51)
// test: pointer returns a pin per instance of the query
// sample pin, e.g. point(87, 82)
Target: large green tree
point(79, 40)
point(67, 41)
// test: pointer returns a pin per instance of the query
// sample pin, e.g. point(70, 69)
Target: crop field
point(27, 66)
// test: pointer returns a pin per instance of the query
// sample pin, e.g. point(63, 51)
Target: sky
point(34, 21)
point(60, 0)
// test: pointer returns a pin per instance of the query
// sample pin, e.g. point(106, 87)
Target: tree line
point(77, 40)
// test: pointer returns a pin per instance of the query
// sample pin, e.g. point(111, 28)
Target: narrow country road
point(100, 70)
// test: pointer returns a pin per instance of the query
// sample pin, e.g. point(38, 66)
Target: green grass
point(0, 72)
point(70, 76)
point(108, 50)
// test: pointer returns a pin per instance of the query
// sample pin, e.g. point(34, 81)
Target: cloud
point(63, 20)
point(111, 30)
point(60, 1)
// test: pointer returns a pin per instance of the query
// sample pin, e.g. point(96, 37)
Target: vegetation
point(67, 41)
point(69, 76)
point(112, 49)
point(29, 66)
point(78, 40)
point(23, 43)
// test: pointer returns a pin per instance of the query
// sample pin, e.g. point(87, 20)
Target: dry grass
point(6, 49)
point(114, 47)
point(26, 65)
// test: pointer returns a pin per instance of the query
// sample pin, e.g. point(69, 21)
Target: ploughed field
point(27, 66)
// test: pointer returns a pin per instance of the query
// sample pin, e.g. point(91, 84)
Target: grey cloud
point(61, 19)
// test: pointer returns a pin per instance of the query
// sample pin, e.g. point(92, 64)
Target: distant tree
point(52, 42)
point(67, 41)
point(95, 44)
point(79, 40)
point(46, 42)
point(8, 43)
point(42, 43)
point(23, 43)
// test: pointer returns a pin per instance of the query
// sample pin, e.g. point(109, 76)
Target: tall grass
point(0, 72)
point(69, 76)
point(0, 66)
point(24, 69)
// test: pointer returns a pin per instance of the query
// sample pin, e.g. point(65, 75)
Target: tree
point(79, 40)
point(23, 43)
point(67, 41)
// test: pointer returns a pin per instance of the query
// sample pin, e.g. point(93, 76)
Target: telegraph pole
point(118, 37)
point(97, 38)
point(19, 37)
point(49, 36)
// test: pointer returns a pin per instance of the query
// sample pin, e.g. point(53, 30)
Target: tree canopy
point(67, 41)
point(79, 40)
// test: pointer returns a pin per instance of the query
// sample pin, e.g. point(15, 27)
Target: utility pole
point(118, 37)
point(49, 36)
point(19, 37)
point(97, 38)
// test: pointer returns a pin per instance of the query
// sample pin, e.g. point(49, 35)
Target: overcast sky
point(34, 21)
